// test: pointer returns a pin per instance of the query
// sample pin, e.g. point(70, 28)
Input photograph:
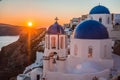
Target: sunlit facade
point(90, 50)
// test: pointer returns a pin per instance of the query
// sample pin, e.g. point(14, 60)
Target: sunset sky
point(43, 12)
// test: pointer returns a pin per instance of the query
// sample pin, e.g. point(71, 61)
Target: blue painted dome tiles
point(91, 29)
point(55, 29)
point(99, 10)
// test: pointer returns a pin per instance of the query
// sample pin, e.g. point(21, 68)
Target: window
point(75, 50)
point(90, 51)
point(108, 20)
point(46, 42)
point(100, 20)
point(61, 42)
point(53, 42)
point(38, 77)
point(66, 42)
point(91, 18)
point(105, 51)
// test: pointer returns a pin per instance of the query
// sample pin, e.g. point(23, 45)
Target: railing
point(23, 77)
point(31, 69)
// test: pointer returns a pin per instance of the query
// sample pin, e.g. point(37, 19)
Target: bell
point(54, 61)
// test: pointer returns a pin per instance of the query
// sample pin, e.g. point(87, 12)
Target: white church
point(90, 55)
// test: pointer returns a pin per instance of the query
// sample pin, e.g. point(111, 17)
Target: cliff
point(16, 56)
point(9, 30)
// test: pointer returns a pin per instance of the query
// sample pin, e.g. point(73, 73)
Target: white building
point(103, 15)
point(90, 53)
point(116, 19)
point(90, 50)
point(74, 22)
point(33, 71)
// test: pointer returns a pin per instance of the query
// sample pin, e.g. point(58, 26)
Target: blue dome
point(91, 29)
point(55, 29)
point(99, 10)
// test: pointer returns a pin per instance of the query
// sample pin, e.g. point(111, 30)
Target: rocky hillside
point(6, 30)
point(16, 56)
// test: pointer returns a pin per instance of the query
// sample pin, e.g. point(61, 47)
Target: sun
point(30, 24)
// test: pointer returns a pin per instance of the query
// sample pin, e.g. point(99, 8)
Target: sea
point(5, 40)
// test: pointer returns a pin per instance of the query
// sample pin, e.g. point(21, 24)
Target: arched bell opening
point(53, 56)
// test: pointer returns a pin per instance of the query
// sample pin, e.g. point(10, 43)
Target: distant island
point(9, 30)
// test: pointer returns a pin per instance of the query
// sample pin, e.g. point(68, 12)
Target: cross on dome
point(99, 10)
point(55, 28)
point(56, 19)
point(99, 3)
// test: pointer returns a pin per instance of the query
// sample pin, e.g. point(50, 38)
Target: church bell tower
point(55, 49)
